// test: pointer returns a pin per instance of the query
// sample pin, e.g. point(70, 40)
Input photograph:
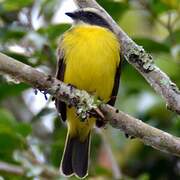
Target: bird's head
point(90, 16)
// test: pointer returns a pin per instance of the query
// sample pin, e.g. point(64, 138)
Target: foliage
point(25, 139)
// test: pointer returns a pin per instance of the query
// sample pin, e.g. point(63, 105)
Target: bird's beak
point(70, 14)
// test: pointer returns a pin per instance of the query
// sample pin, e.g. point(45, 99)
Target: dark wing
point(99, 122)
point(61, 106)
point(116, 83)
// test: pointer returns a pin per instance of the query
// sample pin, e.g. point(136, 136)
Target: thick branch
point(147, 134)
point(24, 73)
point(83, 101)
point(141, 60)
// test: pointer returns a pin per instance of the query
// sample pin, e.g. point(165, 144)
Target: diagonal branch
point(141, 60)
point(82, 100)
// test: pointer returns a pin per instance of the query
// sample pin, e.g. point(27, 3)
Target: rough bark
point(85, 103)
point(141, 60)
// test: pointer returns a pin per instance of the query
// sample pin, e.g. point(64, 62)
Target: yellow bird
point(89, 59)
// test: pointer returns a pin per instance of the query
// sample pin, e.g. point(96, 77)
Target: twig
point(141, 60)
point(21, 170)
point(176, 19)
point(117, 174)
point(12, 169)
point(134, 127)
point(167, 25)
point(148, 8)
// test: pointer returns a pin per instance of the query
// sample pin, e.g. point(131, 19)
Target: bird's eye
point(90, 15)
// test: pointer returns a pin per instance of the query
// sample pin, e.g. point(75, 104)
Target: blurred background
point(31, 134)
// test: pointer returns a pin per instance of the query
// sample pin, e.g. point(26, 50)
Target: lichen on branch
point(141, 60)
point(71, 96)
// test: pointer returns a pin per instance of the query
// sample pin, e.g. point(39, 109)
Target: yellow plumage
point(88, 59)
point(91, 57)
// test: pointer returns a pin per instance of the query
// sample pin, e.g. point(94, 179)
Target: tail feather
point(75, 158)
point(66, 165)
point(80, 157)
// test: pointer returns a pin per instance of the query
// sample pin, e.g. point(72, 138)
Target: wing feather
point(61, 106)
point(116, 83)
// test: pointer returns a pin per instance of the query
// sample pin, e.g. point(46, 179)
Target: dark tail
point(75, 157)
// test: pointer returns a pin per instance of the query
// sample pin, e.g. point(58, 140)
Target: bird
point(88, 57)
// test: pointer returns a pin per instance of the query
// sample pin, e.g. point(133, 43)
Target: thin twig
point(115, 168)
point(148, 8)
point(11, 169)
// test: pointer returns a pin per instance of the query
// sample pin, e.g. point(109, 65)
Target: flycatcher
point(89, 59)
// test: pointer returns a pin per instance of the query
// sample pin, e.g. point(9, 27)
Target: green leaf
point(23, 129)
point(47, 8)
point(20, 57)
point(7, 17)
point(7, 90)
point(131, 80)
point(7, 121)
point(144, 176)
point(12, 33)
point(173, 37)
point(8, 124)
point(10, 5)
point(165, 62)
point(151, 45)
point(114, 8)
point(9, 142)
point(103, 171)
point(159, 112)
point(158, 6)
point(175, 129)
point(10, 138)
point(53, 31)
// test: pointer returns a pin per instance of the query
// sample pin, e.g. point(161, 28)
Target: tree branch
point(46, 172)
point(84, 102)
point(141, 60)
point(11, 168)
point(149, 135)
